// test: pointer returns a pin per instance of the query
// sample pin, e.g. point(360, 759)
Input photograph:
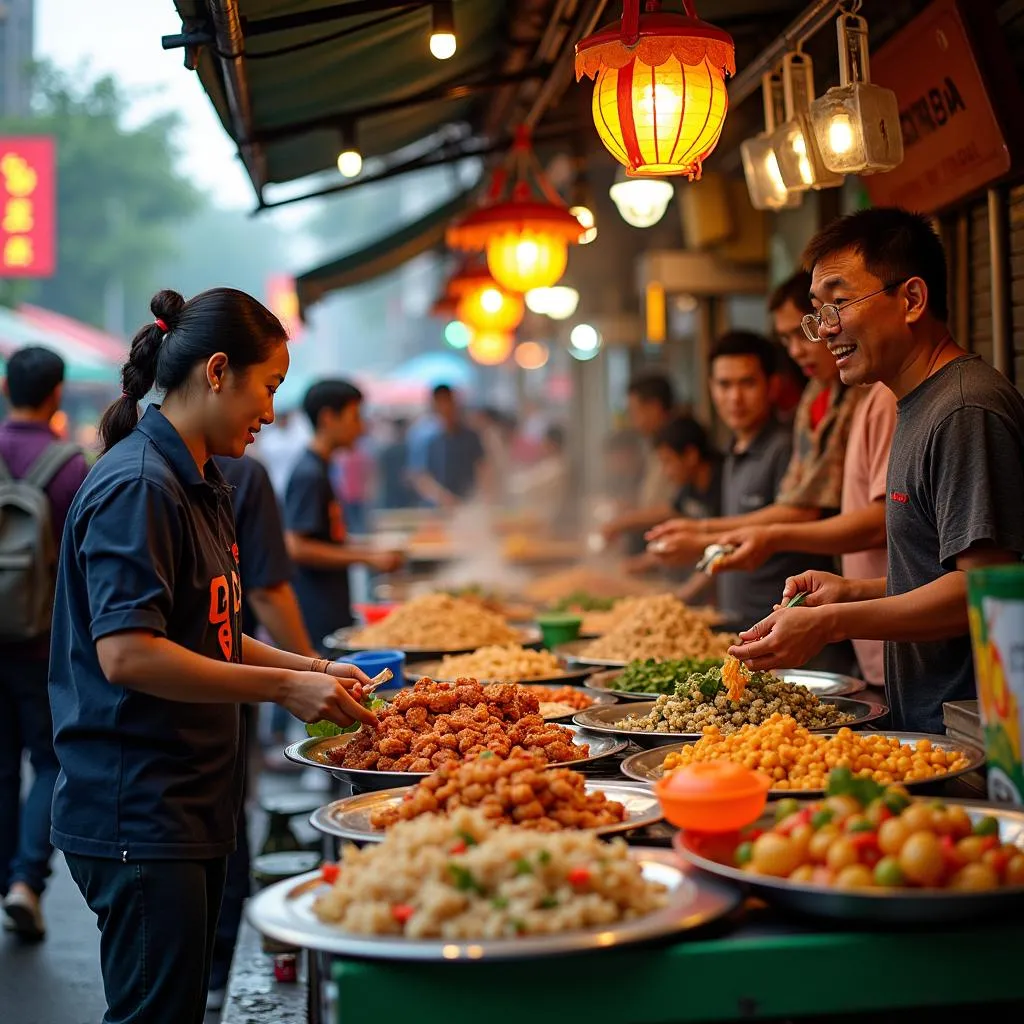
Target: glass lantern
point(760, 164)
point(857, 124)
point(641, 202)
point(801, 166)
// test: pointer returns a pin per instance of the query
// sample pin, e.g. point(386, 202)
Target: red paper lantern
point(659, 87)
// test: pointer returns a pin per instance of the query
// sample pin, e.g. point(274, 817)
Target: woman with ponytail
point(149, 665)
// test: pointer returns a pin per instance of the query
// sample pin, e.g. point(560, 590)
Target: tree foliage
point(119, 196)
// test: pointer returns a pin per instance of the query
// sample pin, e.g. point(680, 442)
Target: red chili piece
point(330, 873)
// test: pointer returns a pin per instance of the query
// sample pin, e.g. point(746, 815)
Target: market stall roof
point(81, 362)
point(284, 88)
point(382, 256)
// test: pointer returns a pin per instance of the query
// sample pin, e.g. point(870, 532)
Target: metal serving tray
point(823, 684)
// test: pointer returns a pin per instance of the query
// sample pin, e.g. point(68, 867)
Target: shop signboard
point(28, 206)
point(952, 139)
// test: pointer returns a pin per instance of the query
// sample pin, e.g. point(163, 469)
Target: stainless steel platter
point(605, 720)
point(312, 753)
point(823, 684)
point(341, 641)
point(919, 906)
point(571, 675)
point(646, 766)
point(350, 818)
point(573, 653)
point(285, 912)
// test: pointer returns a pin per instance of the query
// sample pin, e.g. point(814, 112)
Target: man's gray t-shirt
point(956, 479)
point(750, 481)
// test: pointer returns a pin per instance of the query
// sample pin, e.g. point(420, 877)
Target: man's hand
point(788, 638)
point(678, 549)
point(671, 528)
point(753, 544)
point(314, 696)
point(821, 588)
point(387, 561)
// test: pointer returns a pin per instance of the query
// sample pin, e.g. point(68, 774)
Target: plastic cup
point(995, 601)
point(713, 796)
point(559, 629)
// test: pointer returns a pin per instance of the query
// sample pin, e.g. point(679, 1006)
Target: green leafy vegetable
point(548, 903)
point(584, 602)
point(544, 857)
point(462, 878)
point(524, 867)
point(324, 729)
point(468, 839)
point(652, 676)
point(499, 902)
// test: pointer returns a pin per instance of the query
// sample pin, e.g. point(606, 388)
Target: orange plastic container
point(713, 796)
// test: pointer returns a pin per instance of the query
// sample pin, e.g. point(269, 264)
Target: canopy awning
point(285, 89)
point(382, 256)
point(81, 363)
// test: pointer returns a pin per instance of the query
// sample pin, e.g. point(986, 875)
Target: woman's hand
point(753, 548)
point(670, 528)
point(788, 638)
point(314, 696)
point(821, 588)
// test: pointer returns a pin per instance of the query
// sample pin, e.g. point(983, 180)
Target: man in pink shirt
point(857, 533)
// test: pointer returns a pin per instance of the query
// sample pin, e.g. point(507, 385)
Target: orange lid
point(714, 780)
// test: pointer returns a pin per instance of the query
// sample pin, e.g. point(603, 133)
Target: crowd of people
point(151, 575)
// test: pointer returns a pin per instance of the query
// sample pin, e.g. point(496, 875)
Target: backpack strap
point(52, 460)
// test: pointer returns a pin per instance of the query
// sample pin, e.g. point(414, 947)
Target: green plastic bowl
point(559, 629)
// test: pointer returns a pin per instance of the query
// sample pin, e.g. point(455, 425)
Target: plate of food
point(651, 627)
point(459, 888)
point(432, 626)
point(500, 663)
point(871, 853)
point(557, 703)
point(648, 679)
point(798, 760)
point(432, 723)
point(517, 791)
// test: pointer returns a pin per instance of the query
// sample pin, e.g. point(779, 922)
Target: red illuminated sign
point(28, 207)
point(283, 301)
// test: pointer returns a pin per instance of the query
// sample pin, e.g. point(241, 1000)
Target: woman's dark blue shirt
point(149, 545)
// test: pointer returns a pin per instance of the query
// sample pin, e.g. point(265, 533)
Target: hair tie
point(124, 394)
point(162, 324)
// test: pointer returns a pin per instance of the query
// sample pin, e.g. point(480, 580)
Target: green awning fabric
point(383, 256)
point(385, 61)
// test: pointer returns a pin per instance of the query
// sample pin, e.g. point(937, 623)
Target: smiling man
point(956, 472)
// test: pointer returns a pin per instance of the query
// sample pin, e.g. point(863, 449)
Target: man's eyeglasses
point(829, 313)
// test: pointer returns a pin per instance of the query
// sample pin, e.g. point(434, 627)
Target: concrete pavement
point(56, 981)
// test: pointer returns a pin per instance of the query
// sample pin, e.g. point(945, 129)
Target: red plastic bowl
point(371, 613)
point(713, 796)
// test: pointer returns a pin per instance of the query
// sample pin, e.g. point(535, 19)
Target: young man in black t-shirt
point(314, 525)
point(956, 471)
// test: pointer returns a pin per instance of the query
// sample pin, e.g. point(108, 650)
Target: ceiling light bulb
point(350, 163)
point(659, 102)
point(527, 254)
point(491, 300)
point(840, 133)
point(585, 338)
point(586, 218)
point(642, 201)
point(443, 45)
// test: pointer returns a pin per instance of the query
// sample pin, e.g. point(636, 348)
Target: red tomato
point(579, 877)
point(401, 912)
point(330, 873)
point(459, 847)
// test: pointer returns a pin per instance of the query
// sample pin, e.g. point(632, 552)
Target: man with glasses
point(955, 478)
point(811, 488)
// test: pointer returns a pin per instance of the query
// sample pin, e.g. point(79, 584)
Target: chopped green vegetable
point(896, 802)
point(524, 867)
point(657, 677)
point(499, 902)
point(744, 853)
point(463, 879)
point(485, 754)
point(861, 826)
point(467, 838)
point(548, 903)
point(325, 729)
point(584, 602)
point(544, 857)
point(987, 826)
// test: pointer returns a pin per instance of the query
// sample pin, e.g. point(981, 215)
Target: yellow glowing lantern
point(526, 237)
point(490, 348)
point(489, 307)
point(659, 88)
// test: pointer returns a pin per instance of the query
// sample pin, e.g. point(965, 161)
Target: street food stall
point(572, 782)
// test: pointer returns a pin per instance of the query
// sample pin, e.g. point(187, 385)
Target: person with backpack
point(39, 477)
